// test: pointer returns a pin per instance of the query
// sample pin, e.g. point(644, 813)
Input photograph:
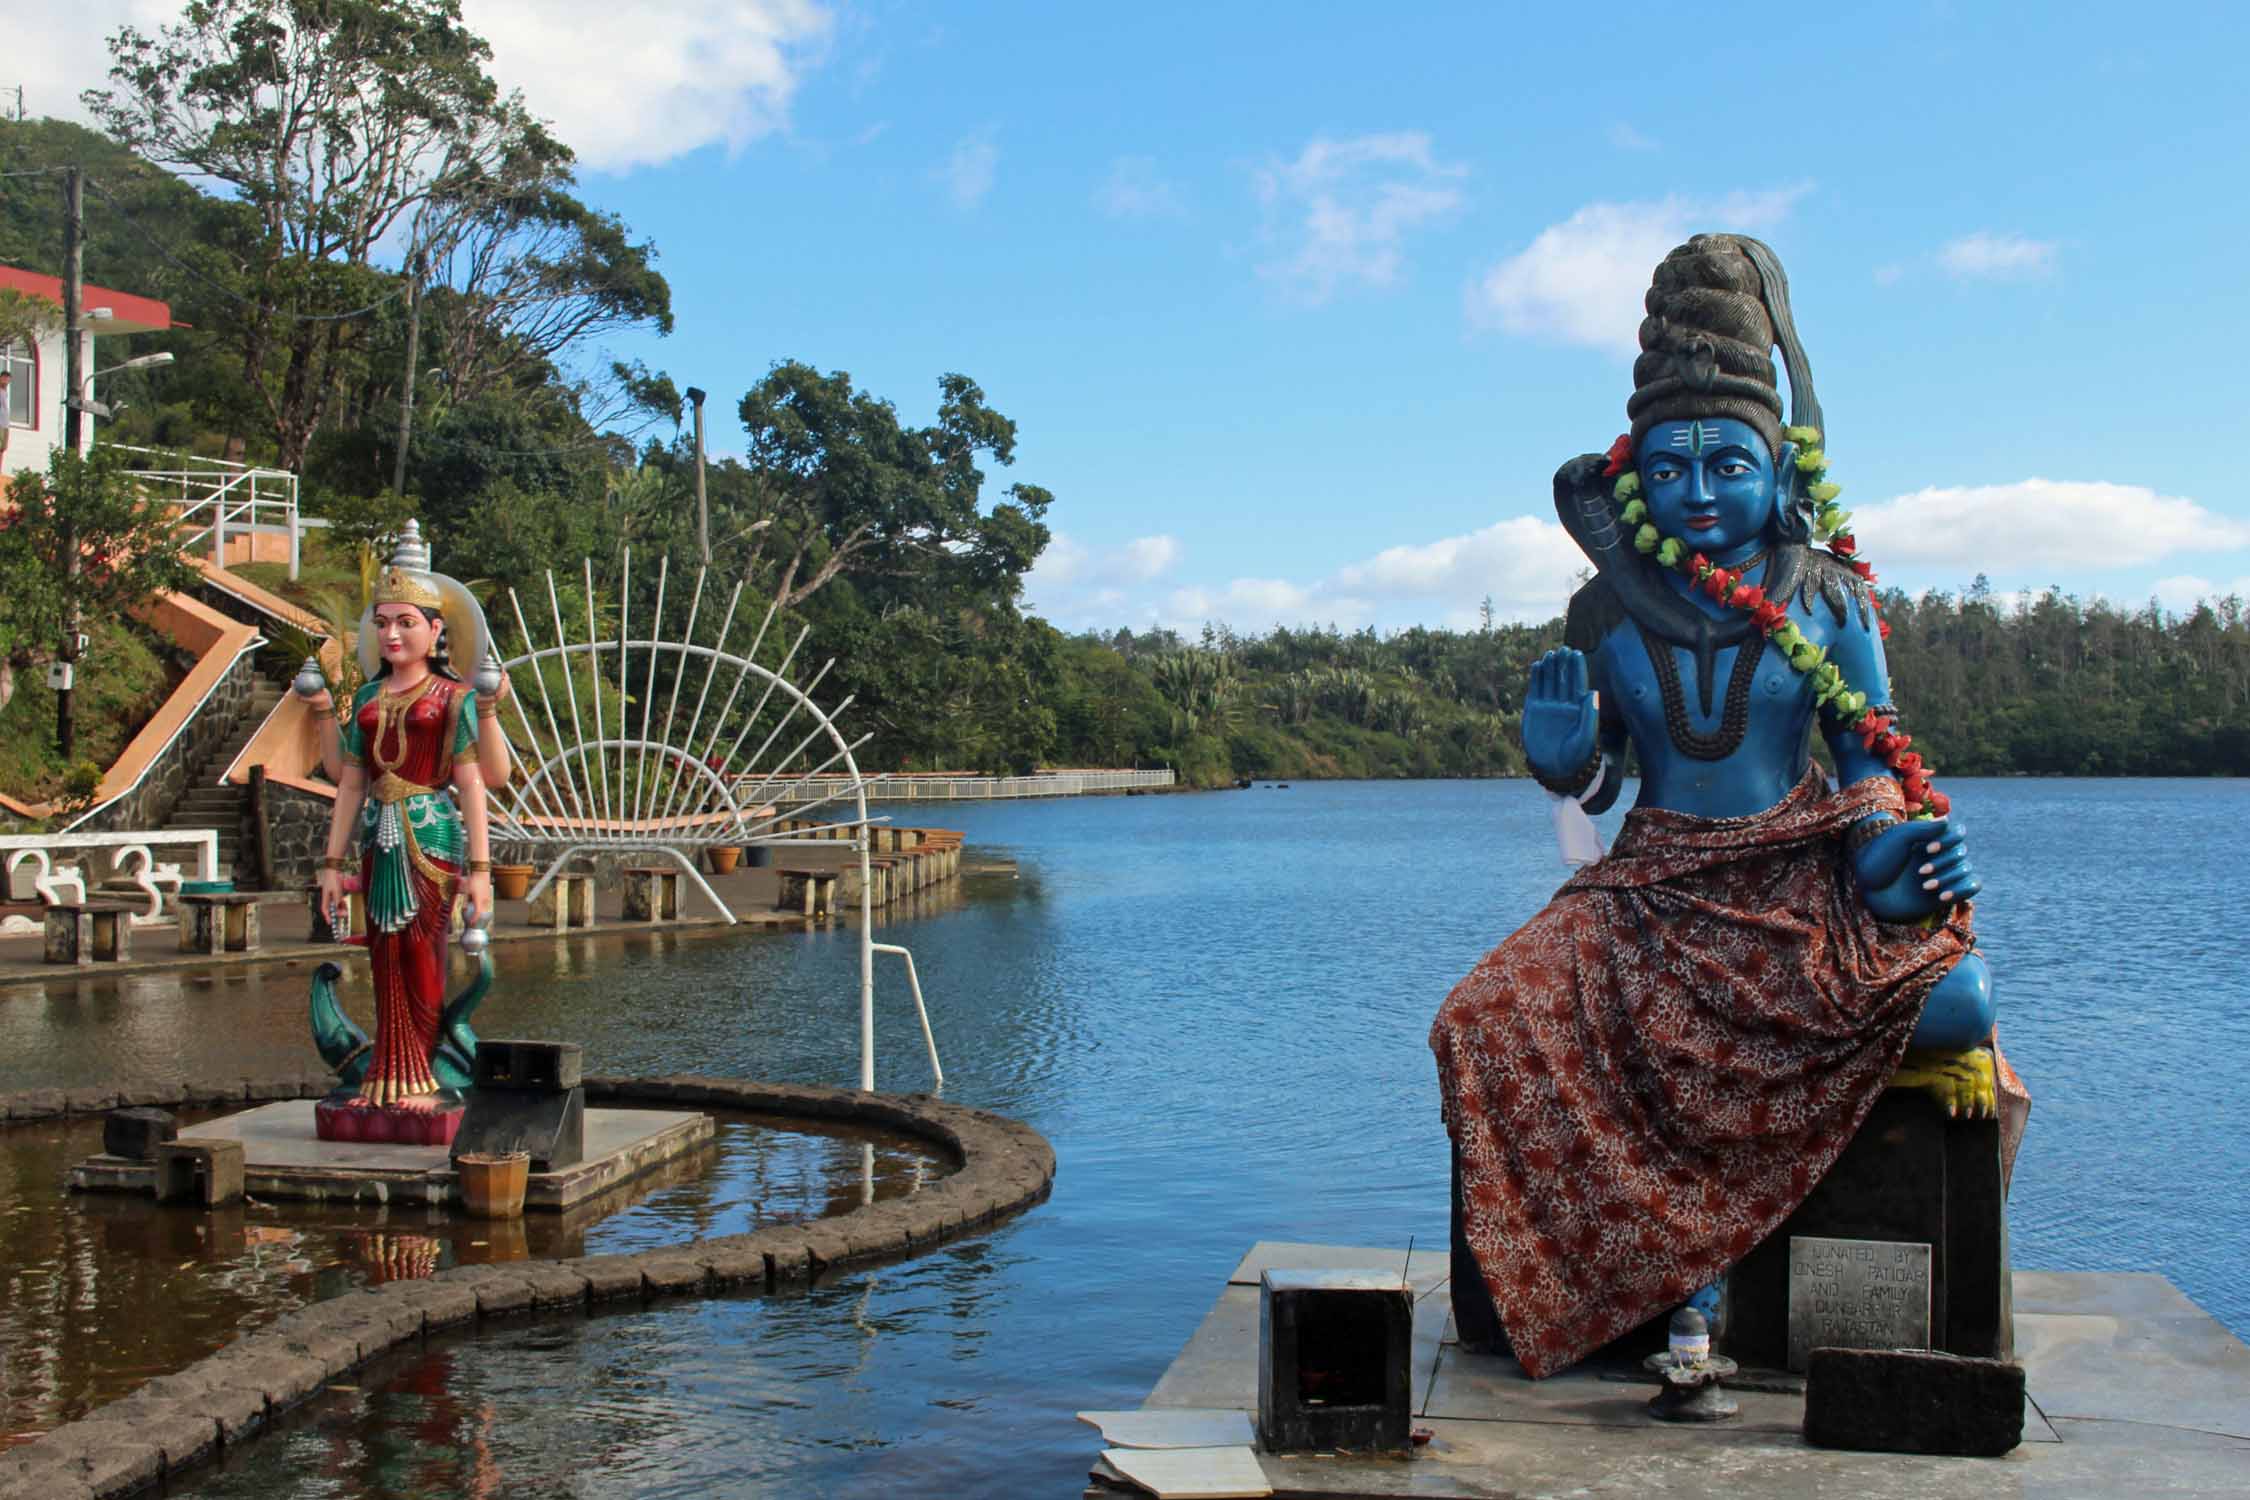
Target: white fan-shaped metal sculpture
point(666, 789)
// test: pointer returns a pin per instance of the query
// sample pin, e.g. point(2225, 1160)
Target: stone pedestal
point(355, 917)
point(200, 1172)
point(219, 923)
point(567, 902)
point(1913, 1175)
point(94, 932)
point(652, 893)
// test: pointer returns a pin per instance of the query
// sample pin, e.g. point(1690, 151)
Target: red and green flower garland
point(1832, 526)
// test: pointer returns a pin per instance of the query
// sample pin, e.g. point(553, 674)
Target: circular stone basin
point(83, 1270)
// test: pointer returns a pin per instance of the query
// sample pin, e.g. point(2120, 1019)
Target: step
point(224, 822)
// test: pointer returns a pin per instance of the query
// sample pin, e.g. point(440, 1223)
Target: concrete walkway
point(2134, 1390)
point(287, 922)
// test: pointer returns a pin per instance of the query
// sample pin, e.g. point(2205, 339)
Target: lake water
point(1216, 1008)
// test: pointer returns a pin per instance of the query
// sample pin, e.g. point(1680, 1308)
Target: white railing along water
point(949, 788)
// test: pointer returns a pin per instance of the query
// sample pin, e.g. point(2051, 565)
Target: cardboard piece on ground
point(1192, 1473)
point(1182, 1427)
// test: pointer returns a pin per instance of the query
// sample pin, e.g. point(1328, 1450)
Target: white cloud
point(1625, 138)
point(1342, 210)
point(1527, 567)
point(1073, 584)
point(1998, 256)
point(2042, 523)
point(1135, 189)
point(1149, 557)
point(623, 85)
point(1581, 281)
point(968, 173)
point(1889, 274)
point(55, 51)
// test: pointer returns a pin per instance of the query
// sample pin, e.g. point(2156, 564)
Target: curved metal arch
point(578, 828)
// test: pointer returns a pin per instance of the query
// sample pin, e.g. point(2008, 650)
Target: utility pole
point(74, 375)
point(414, 269)
point(702, 502)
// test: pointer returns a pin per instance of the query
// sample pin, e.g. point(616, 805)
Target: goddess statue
point(412, 736)
point(1646, 1079)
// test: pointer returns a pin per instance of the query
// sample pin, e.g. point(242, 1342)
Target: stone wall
point(151, 802)
point(297, 829)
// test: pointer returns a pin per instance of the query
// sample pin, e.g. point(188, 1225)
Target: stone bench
point(84, 933)
point(222, 922)
point(652, 893)
point(567, 902)
point(812, 892)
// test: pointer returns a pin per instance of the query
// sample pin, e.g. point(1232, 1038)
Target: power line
point(225, 291)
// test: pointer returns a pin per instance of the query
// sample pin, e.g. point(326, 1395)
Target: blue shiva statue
point(1648, 1077)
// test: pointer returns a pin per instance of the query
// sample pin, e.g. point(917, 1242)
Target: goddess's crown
point(397, 586)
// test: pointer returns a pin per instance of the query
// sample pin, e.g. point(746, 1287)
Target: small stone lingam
point(1691, 1374)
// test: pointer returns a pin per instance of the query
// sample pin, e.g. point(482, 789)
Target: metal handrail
point(209, 488)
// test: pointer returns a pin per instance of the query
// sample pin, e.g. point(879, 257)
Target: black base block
point(1912, 1401)
point(551, 1127)
point(136, 1133)
point(1910, 1174)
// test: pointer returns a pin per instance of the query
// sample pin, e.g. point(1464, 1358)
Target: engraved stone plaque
point(1857, 1294)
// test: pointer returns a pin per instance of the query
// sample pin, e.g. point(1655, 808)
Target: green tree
point(839, 486)
point(331, 125)
point(81, 540)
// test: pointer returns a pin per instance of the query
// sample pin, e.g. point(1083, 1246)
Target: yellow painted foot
point(1961, 1082)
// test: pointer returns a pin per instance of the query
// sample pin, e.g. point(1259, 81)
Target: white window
point(23, 388)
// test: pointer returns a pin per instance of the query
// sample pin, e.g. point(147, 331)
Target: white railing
point(947, 788)
point(218, 499)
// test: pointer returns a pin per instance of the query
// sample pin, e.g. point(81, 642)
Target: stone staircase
point(207, 803)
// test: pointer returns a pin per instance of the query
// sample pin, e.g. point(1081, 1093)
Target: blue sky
point(1298, 307)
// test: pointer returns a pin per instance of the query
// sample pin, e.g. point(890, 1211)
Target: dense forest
point(395, 290)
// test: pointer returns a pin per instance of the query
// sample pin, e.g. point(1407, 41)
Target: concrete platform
point(283, 1159)
point(2133, 1390)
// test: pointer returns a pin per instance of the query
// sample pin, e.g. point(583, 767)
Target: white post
point(866, 962)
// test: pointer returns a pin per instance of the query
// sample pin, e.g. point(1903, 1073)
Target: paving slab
point(1182, 1427)
point(2133, 1390)
point(284, 1158)
point(1192, 1473)
point(2165, 1371)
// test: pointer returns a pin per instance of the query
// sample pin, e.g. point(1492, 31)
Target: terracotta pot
point(512, 882)
point(724, 857)
point(492, 1185)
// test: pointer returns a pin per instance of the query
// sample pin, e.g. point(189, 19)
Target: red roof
point(128, 313)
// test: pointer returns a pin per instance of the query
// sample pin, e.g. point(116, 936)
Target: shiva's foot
point(1961, 1082)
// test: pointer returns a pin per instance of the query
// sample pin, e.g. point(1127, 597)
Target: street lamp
point(142, 362)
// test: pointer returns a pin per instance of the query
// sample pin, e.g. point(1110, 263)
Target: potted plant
point(511, 881)
point(724, 857)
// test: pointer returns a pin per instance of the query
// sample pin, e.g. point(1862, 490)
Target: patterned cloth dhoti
point(1650, 1075)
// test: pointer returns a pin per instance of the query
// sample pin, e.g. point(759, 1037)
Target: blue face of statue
point(1711, 484)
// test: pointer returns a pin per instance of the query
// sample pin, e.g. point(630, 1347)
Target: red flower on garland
point(1844, 546)
point(1748, 597)
point(1620, 454)
point(1769, 615)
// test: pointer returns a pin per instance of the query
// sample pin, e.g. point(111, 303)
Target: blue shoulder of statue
point(1835, 607)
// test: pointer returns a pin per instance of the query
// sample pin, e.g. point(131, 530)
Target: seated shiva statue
point(1649, 1076)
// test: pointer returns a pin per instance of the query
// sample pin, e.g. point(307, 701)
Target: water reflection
point(105, 1290)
